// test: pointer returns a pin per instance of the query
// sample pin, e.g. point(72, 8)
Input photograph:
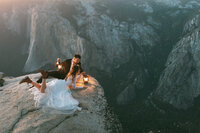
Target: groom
point(64, 67)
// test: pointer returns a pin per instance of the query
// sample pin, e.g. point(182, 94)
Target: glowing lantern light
point(59, 67)
point(85, 79)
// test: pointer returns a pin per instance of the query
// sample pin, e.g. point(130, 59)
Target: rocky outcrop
point(192, 24)
point(180, 82)
point(18, 113)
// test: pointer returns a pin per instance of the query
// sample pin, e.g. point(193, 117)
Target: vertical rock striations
point(180, 82)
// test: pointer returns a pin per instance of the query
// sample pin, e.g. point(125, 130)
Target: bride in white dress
point(55, 96)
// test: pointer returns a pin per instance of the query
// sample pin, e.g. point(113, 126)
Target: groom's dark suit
point(61, 74)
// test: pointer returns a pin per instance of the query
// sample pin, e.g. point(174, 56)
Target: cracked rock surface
point(19, 115)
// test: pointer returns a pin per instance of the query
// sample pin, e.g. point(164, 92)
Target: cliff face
point(105, 38)
point(108, 34)
point(18, 113)
point(64, 28)
point(179, 83)
point(125, 44)
point(14, 23)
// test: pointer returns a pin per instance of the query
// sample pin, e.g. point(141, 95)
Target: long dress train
point(57, 98)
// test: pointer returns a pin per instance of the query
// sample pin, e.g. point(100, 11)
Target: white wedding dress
point(57, 98)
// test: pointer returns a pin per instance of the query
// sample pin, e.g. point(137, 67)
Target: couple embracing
point(56, 95)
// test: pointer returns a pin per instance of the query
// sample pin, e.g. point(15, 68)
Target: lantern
point(59, 67)
point(85, 79)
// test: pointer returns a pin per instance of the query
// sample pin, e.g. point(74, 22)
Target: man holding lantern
point(64, 67)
